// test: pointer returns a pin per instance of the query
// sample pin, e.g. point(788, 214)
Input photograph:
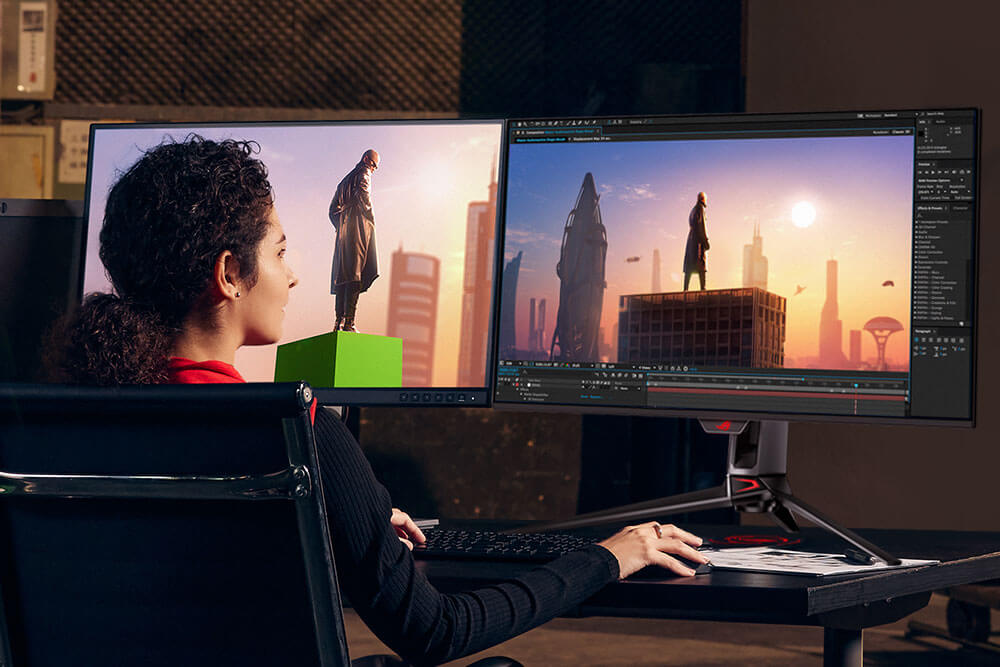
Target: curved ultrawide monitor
point(803, 266)
point(424, 324)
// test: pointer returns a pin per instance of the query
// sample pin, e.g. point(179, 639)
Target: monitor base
point(756, 481)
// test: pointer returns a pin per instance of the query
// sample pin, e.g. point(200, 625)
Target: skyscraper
point(754, 262)
point(532, 334)
point(477, 287)
point(508, 307)
point(541, 325)
point(414, 282)
point(536, 326)
point(855, 357)
point(831, 351)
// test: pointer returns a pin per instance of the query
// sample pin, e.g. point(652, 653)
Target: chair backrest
point(164, 525)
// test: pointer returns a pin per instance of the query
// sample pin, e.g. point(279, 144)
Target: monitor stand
point(755, 482)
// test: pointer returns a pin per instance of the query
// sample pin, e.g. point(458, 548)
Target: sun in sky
point(803, 214)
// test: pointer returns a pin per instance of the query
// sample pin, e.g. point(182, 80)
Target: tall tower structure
point(855, 348)
point(656, 271)
point(881, 328)
point(532, 332)
point(754, 262)
point(477, 286)
point(541, 324)
point(831, 352)
point(414, 284)
point(536, 327)
point(581, 271)
point(508, 307)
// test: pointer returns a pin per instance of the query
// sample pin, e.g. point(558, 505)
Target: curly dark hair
point(168, 218)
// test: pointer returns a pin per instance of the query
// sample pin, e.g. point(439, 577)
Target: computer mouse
point(703, 568)
point(699, 568)
point(656, 572)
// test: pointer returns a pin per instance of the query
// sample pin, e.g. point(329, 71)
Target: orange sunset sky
point(859, 190)
point(429, 174)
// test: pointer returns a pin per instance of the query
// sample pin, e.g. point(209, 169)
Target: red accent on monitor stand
point(749, 481)
point(754, 541)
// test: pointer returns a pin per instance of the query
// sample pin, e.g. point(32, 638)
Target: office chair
point(166, 525)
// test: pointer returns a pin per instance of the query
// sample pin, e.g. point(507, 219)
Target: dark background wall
point(902, 54)
point(270, 59)
point(319, 54)
point(506, 57)
point(229, 59)
point(314, 59)
point(600, 57)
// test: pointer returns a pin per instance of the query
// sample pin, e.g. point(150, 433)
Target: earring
point(237, 295)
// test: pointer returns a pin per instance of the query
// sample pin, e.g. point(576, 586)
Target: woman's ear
point(226, 278)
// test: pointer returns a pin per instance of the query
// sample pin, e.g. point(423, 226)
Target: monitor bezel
point(478, 396)
point(706, 414)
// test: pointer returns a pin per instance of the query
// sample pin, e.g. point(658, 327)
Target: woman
point(196, 255)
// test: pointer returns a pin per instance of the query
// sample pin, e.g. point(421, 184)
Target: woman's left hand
point(407, 530)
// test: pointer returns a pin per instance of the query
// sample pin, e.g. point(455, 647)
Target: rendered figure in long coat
point(355, 259)
point(697, 242)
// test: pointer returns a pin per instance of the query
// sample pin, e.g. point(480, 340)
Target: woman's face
point(263, 305)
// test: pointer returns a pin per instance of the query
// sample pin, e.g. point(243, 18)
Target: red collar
point(187, 371)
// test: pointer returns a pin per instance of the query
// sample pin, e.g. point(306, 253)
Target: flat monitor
point(783, 266)
point(746, 270)
point(39, 252)
point(425, 323)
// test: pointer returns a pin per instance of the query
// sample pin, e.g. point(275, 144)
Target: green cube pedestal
point(342, 359)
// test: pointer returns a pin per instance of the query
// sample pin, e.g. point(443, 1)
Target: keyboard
point(490, 545)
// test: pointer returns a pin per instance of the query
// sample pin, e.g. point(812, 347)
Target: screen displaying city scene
point(820, 226)
point(426, 193)
point(773, 260)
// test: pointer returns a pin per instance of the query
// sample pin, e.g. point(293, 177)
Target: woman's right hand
point(635, 547)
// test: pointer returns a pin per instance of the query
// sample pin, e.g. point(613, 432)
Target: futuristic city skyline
point(858, 188)
point(428, 175)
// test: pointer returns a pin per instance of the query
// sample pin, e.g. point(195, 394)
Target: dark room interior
point(927, 490)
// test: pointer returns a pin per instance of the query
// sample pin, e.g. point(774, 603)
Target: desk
point(843, 606)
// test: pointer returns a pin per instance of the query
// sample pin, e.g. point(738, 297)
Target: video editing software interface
point(425, 322)
point(802, 264)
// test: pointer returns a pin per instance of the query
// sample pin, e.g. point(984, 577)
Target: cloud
point(529, 237)
point(633, 193)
